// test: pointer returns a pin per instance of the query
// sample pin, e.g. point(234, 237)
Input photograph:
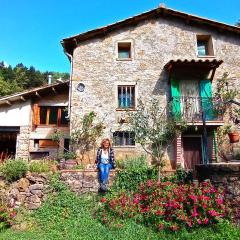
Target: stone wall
point(22, 148)
point(225, 175)
point(83, 181)
point(155, 42)
point(29, 192)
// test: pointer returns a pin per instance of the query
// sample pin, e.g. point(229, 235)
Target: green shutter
point(175, 93)
point(206, 98)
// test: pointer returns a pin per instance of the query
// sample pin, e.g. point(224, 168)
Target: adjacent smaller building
point(29, 119)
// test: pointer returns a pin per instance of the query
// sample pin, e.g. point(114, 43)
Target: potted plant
point(233, 134)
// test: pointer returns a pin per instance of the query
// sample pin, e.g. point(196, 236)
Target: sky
point(31, 30)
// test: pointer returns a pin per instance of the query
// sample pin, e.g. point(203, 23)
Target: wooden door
point(192, 147)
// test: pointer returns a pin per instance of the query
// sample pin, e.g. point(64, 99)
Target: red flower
point(219, 201)
point(160, 226)
point(103, 200)
point(174, 227)
point(194, 213)
point(205, 221)
point(159, 212)
point(199, 221)
point(213, 213)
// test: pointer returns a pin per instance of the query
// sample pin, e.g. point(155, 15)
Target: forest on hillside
point(20, 78)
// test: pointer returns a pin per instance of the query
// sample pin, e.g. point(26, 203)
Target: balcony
point(191, 109)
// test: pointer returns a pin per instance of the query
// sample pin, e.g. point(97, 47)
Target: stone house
point(163, 53)
point(29, 119)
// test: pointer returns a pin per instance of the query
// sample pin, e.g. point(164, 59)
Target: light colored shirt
point(104, 157)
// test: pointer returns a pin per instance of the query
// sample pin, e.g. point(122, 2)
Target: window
point(124, 50)
point(50, 115)
point(126, 97)
point(122, 138)
point(45, 143)
point(204, 45)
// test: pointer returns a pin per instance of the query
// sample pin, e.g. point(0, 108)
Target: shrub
point(134, 171)
point(13, 170)
point(182, 176)
point(133, 163)
point(39, 167)
point(6, 217)
point(166, 205)
point(69, 155)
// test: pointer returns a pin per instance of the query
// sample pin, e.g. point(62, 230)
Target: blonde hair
point(105, 140)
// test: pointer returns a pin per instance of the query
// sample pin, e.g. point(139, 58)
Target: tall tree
point(20, 77)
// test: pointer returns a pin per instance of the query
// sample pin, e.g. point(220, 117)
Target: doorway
point(8, 140)
point(192, 149)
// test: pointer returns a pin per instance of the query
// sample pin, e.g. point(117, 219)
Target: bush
point(134, 171)
point(182, 176)
point(13, 170)
point(69, 155)
point(39, 167)
point(132, 163)
point(6, 217)
point(166, 205)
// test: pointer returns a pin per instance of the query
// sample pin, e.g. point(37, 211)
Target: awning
point(202, 63)
point(192, 67)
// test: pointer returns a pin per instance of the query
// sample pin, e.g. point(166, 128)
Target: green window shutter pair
point(205, 90)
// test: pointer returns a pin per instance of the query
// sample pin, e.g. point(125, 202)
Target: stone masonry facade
point(154, 43)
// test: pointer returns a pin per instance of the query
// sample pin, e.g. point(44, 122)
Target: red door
point(192, 147)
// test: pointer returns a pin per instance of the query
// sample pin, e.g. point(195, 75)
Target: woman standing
point(105, 161)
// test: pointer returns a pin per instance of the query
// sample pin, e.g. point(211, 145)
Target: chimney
point(49, 79)
point(162, 5)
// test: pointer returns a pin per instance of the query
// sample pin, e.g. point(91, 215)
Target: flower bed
point(166, 205)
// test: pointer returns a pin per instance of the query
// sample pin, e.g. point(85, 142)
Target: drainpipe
point(70, 85)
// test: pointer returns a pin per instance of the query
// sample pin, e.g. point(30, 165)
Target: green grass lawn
point(66, 216)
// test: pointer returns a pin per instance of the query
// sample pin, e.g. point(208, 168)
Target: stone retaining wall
point(222, 174)
point(83, 181)
point(32, 190)
point(29, 192)
point(225, 175)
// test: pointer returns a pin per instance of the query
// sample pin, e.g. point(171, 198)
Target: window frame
point(47, 119)
point(131, 53)
point(209, 42)
point(124, 145)
point(126, 84)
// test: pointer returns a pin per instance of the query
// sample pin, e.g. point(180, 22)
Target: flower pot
point(233, 137)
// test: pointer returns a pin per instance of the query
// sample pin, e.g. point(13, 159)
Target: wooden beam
point(8, 102)
point(54, 90)
point(213, 73)
point(188, 19)
point(37, 94)
point(22, 98)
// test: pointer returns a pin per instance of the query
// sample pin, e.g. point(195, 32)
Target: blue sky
point(31, 30)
